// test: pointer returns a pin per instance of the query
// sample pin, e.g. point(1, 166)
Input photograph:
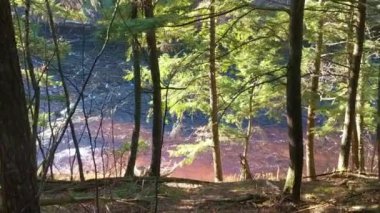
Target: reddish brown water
point(268, 154)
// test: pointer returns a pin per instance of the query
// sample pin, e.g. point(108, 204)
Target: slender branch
point(72, 111)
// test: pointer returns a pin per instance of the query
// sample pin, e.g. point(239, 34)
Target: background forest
point(126, 91)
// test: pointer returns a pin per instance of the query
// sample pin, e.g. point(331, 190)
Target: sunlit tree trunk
point(17, 149)
point(157, 108)
point(245, 173)
point(360, 125)
point(214, 99)
point(137, 90)
point(352, 88)
point(314, 100)
point(293, 100)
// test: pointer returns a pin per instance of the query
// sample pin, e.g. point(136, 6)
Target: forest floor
point(330, 193)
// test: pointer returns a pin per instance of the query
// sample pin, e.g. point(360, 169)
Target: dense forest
point(187, 106)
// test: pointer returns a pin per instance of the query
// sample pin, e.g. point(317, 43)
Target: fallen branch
point(319, 175)
point(72, 200)
point(58, 186)
point(248, 197)
point(346, 174)
point(319, 207)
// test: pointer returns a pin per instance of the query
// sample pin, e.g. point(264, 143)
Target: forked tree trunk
point(214, 99)
point(157, 108)
point(314, 100)
point(17, 149)
point(293, 100)
point(352, 88)
point(137, 88)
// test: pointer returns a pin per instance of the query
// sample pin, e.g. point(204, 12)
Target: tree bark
point(358, 140)
point(157, 108)
point(314, 100)
point(214, 99)
point(354, 147)
point(137, 88)
point(293, 100)
point(352, 88)
point(17, 149)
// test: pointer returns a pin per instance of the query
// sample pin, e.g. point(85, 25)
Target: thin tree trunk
point(349, 52)
point(361, 150)
point(378, 123)
point(314, 99)
point(157, 108)
point(35, 83)
point(359, 122)
point(245, 173)
point(65, 90)
point(357, 149)
point(293, 100)
point(137, 88)
point(250, 126)
point(17, 149)
point(214, 99)
point(352, 88)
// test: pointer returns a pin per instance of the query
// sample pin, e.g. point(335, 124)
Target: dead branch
point(257, 198)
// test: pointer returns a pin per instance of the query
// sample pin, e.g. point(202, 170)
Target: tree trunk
point(137, 88)
point(359, 122)
point(361, 151)
point(354, 147)
point(293, 100)
point(157, 111)
point(314, 99)
point(17, 149)
point(65, 90)
point(349, 52)
point(352, 88)
point(35, 83)
point(358, 140)
point(378, 123)
point(245, 173)
point(214, 99)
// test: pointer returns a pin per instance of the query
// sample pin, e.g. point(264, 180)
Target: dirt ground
point(330, 193)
